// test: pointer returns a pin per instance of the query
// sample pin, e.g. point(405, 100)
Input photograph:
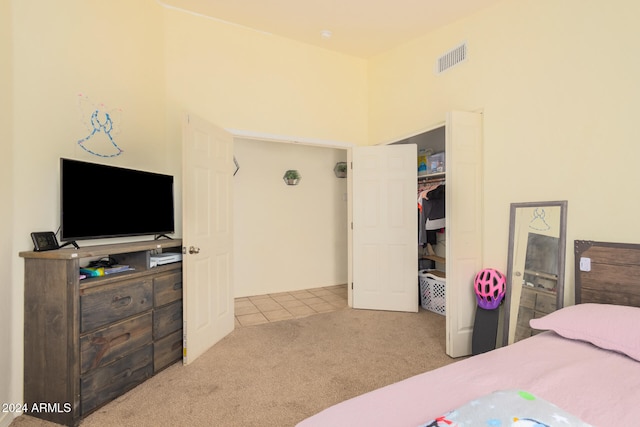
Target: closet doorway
point(430, 146)
point(463, 227)
point(288, 237)
point(275, 253)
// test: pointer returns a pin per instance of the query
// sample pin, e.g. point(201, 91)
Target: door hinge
point(352, 225)
point(351, 165)
point(351, 285)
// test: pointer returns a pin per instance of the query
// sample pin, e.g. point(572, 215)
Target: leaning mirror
point(535, 265)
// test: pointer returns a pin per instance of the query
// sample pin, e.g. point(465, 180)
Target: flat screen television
point(99, 201)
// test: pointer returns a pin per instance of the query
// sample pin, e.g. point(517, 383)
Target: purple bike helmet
point(490, 286)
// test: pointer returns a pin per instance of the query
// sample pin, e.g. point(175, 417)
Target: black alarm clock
point(44, 241)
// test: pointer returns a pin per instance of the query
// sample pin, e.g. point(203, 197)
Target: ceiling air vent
point(452, 58)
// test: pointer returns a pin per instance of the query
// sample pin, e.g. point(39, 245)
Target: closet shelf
point(432, 175)
point(435, 258)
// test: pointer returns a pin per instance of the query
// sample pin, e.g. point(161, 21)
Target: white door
point(385, 221)
point(208, 303)
point(464, 226)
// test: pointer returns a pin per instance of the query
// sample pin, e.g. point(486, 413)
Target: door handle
point(194, 250)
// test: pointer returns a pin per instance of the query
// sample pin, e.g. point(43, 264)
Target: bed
point(584, 369)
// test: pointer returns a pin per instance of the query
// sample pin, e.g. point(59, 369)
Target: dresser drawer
point(167, 288)
point(167, 350)
point(102, 306)
point(167, 319)
point(106, 383)
point(105, 345)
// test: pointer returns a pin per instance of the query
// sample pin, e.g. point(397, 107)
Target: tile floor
point(259, 309)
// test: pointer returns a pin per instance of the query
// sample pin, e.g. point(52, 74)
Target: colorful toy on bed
point(507, 408)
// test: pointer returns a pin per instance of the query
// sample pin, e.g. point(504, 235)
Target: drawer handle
point(120, 339)
point(176, 345)
point(176, 317)
point(177, 286)
point(119, 301)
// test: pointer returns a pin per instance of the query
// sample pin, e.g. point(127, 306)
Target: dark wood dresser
point(88, 341)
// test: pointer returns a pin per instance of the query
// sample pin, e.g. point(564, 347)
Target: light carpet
point(279, 373)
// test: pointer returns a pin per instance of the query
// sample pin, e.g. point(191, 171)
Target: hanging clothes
point(431, 212)
point(435, 209)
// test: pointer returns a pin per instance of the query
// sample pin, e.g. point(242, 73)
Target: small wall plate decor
point(292, 177)
point(340, 169)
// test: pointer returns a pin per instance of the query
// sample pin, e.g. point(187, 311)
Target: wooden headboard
point(615, 273)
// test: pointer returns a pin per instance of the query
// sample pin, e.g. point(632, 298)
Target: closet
point(458, 250)
point(431, 216)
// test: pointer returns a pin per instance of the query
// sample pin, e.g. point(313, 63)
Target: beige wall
point(244, 80)
point(8, 340)
point(247, 80)
point(146, 64)
point(288, 237)
point(112, 53)
point(104, 52)
point(557, 81)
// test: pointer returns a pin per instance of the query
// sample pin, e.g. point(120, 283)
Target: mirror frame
point(562, 248)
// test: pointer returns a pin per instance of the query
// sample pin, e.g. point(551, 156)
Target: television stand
point(88, 341)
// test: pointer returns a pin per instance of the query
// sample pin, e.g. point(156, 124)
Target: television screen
point(106, 201)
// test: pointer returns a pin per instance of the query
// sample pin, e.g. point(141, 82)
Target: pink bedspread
point(599, 386)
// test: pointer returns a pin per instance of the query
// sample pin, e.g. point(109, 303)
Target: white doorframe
point(467, 254)
point(237, 133)
point(464, 239)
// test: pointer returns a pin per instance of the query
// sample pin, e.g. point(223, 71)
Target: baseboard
point(6, 418)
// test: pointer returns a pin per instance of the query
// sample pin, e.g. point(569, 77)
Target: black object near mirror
point(535, 266)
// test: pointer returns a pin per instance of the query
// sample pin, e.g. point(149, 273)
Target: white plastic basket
point(432, 292)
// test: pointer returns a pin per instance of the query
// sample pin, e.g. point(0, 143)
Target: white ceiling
point(359, 27)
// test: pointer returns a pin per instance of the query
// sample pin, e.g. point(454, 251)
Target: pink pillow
point(608, 326)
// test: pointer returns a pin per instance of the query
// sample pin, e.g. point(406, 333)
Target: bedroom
point(556, 86)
